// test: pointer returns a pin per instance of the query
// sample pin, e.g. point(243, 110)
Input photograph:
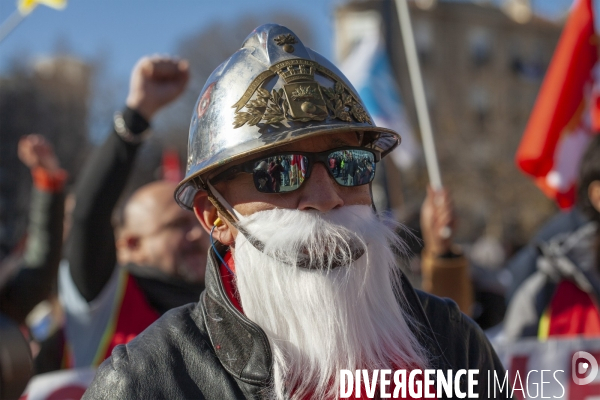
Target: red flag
point(171, 167)
point(560, 124)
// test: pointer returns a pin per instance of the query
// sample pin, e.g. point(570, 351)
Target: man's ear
point(594, 194)
point(207, 214)
point(126, 245)
point(127, 241)
point(132, 242)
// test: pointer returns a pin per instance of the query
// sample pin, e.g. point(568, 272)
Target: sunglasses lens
point(352, 167)
point(280, 174)
point(286, 172)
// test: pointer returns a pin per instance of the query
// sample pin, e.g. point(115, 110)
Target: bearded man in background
point(303, 282)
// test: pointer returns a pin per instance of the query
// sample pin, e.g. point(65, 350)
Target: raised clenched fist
point(155, 82)
point(35, 151)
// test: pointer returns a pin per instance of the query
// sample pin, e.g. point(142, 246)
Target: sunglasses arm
point(221, 204)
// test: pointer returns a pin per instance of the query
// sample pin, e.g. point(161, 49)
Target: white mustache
point(330, 244)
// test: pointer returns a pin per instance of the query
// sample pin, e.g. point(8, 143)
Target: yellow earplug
point(218, 222)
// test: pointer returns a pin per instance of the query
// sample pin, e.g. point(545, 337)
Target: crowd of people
point(232, 291)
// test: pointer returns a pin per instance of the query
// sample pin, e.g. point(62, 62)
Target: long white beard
point(324, 320)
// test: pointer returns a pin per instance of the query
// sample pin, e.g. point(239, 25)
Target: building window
point(423, 39)
point(480, 46)
point(530, 67)
point(479, 102)
point(429, 93)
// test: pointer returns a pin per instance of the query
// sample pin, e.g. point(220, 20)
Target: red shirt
point(572, 312)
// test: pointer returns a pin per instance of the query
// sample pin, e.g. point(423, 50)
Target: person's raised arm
point(155, 82)
point(36, 273)
point(444, 267)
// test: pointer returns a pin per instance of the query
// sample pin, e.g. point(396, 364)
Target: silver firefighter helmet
point(271, 92)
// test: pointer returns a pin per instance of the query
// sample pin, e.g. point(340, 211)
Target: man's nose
point(320, 192)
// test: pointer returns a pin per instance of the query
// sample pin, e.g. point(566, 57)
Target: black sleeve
point(91, 252)
point(36, 272)
point(521, 266)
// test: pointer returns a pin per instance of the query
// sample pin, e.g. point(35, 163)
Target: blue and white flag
point(368, 69)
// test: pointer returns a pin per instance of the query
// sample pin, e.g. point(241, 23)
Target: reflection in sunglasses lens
point(352, 167)
point(295, 167)
point(280, 174)
point(285, 173)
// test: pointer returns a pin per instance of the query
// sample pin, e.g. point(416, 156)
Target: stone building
point(482, 71)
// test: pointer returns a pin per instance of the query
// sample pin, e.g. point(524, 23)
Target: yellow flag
point(27, 6)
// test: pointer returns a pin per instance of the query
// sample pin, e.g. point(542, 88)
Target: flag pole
point(416, 81)
point(10, 23)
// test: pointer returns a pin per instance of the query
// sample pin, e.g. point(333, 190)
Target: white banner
point(68, 384)
point(558, 368)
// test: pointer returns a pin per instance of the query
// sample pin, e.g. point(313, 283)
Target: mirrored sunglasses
point(287, 171)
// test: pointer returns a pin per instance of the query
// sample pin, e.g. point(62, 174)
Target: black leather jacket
point(210, 350)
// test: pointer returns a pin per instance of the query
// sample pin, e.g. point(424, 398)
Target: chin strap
point(229, 213)
point(372, 199)
point(222, 205)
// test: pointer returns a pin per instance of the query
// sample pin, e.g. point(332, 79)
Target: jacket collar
point(243, 348)
point(240, 344)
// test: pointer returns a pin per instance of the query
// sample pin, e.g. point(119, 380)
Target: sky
point(125, 30)
point(119, 32)
point(129, 29)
